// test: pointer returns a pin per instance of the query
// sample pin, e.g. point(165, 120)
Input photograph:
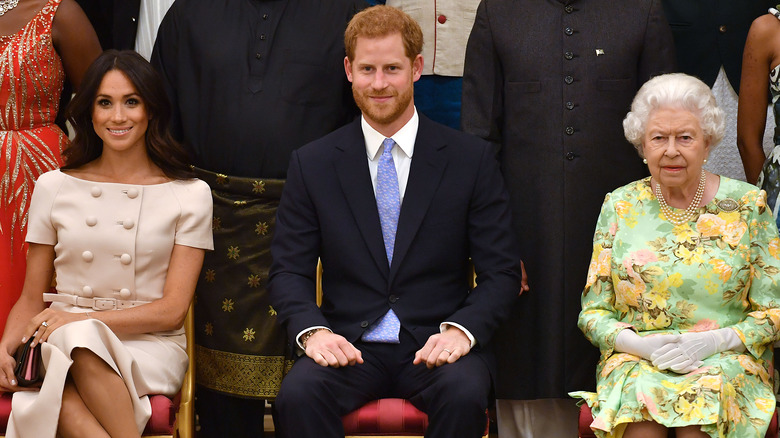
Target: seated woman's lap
point(714, 391)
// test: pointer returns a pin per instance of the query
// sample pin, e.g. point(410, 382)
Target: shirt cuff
point(298, 336)
point(443, 326)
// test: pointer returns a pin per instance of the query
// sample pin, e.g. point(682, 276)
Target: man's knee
point(468, 387)
point(302, 386)
point(468, 394)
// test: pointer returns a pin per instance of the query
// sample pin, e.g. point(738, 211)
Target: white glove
point(688, 354)
point(628, 341)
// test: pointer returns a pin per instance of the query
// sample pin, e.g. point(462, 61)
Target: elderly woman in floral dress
point(682, 294)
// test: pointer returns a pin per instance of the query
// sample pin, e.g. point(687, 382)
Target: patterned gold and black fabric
point(240, 349)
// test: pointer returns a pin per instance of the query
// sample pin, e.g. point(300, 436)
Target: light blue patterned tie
point(388, 202)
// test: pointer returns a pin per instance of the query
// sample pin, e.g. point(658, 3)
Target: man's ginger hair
point(380, 21)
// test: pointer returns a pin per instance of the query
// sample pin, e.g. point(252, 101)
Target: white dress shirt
point(402, 155)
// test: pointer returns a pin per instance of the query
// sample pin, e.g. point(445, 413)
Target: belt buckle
point(104, 303)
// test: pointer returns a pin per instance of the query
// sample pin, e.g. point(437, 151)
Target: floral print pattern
point(719, 270)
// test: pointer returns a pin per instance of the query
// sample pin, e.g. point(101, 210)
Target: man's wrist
point(447, 324)
point(306, 335)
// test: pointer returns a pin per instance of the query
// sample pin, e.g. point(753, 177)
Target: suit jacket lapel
point(428, 164)
point(352, 170)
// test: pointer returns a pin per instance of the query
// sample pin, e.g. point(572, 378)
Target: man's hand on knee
point(443, 348)
point(330, 349)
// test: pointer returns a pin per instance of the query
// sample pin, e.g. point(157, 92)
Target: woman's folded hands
point(628, 341)
point(681, 353)
point(689, 353)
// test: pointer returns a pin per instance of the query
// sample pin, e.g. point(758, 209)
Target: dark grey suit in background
point(550, 82)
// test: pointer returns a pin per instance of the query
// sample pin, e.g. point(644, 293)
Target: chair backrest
point(185, 419)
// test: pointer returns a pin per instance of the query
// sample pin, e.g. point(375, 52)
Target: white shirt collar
point(404, 138)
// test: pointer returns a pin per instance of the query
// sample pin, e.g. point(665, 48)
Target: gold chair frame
point(184, 425)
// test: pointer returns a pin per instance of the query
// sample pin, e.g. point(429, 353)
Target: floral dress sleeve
point(759, 329)
point(599, 318)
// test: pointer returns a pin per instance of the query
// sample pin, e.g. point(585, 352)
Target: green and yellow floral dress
point(721, 269)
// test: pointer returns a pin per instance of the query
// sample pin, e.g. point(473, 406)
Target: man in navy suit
point(394, 205)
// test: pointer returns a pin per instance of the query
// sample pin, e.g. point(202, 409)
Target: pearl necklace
point(684, 217)
point(7, 5)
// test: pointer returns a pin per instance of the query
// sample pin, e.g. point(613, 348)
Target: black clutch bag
point(29, 364)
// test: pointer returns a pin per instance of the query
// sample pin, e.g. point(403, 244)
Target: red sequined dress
point(31, 79)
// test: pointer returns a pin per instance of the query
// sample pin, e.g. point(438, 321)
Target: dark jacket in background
point(711, 33)
point(115, 21)
point(251, 81)
point(550, 81)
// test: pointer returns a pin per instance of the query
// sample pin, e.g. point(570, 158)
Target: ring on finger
point(448, 351)
point(45, 324)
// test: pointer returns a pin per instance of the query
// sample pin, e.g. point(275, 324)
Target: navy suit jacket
point(455, 207)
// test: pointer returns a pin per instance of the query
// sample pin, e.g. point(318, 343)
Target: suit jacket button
point(364, 324)
point(393, 298)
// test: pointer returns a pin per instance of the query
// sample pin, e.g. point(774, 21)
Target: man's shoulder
point(341, 137)
point(434, 131)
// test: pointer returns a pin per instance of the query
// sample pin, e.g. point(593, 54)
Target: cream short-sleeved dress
point(112, 245)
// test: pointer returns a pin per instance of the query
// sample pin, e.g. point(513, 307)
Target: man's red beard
point(383, 113)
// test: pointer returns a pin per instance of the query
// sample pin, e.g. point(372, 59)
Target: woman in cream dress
point(124, 227)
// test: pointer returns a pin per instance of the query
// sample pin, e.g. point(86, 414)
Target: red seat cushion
point(161, 422)
point(583, 425)
point(386, 416)
point(5, 411)
point(586, 417)
point(163, 415)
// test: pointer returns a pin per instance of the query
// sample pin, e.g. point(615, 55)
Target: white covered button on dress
point(87, 256)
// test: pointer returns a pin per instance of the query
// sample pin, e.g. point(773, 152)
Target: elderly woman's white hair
point(674, 90)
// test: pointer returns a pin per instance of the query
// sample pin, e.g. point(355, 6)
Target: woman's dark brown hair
point(164, 151)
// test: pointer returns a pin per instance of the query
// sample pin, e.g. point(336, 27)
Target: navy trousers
point(313, 398)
